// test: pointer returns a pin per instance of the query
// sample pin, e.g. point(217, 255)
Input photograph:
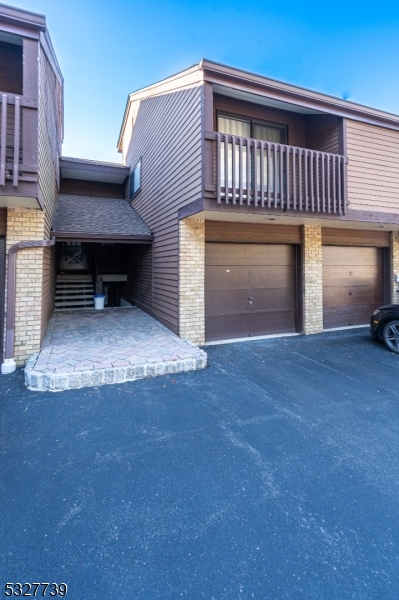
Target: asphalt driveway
point(271, 474)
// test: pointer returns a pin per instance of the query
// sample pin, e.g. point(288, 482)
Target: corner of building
point(192, 280)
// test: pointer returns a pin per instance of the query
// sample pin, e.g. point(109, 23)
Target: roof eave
point(75, 235)
point(298, 95)
point(24, 19)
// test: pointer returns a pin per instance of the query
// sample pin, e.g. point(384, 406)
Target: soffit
point(258, 99)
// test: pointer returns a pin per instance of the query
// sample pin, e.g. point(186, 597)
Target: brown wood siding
point(167, 135)
point(3, 221)
point(373, 173)
point(352, 285)
point(99, 189)
point(253, 233)
point(2, 290)
point(296, 122)
point(355, 237)
point(49, 153)
point(249, 290)
point(10, 68)
point(323, 133)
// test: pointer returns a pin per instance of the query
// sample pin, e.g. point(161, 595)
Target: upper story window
point(135, 179)
point(260, 130)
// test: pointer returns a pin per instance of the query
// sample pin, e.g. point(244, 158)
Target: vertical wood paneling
point(98, 189)
point(167, 135)
point(139, 276)
point(3, 221)
point(322, 133)
point(373, 169)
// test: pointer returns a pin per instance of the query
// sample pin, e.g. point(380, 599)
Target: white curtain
point(239, 128)
point(242, 128)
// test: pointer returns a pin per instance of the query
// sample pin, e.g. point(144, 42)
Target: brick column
point(312, 261)
point(395, 265)
point(192, 280)
point(27, 224)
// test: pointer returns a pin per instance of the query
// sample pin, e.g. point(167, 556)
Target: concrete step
point(74, 291)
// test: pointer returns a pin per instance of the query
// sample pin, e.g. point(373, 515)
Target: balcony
point(18, 145)
point(249, 172)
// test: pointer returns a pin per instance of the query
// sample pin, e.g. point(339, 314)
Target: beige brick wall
point(27, 224)
point(192, 280)
point(312, 265)
point(395, 265)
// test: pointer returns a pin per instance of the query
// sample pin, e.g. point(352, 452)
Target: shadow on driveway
point(271, 474)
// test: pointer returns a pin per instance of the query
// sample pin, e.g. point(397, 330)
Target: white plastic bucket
point(99, 300)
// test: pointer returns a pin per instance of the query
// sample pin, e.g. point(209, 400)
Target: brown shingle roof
point(103, 216)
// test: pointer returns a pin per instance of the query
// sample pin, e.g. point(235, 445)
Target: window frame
point(254, 121)
point(132, 193)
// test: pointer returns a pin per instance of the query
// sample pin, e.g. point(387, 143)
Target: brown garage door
point(249, 290)
point(352, 284)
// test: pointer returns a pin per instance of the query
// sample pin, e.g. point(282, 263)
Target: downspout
point(9, 365)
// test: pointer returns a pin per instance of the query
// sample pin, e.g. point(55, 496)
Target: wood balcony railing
point(249, 172)
point(17, 127)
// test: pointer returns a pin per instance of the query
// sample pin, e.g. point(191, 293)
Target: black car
point(384, 325)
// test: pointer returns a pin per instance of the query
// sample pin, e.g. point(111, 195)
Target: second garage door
point(249, 290)
point(352, 284)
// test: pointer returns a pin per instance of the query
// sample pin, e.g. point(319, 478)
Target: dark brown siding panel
point(352, 284)
point(98, 189)
point(167, 135)
point(296, 122)
point(50, 135)
point(251, 233)
point(354, 237)
point(3, 221)
point(2, 289)
point(10, 68)
point(323, 133)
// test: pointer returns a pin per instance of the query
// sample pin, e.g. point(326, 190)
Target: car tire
point(390, 335)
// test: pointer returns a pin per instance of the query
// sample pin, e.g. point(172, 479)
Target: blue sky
point(108, 48)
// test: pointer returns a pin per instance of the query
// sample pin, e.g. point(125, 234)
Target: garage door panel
point(248, 254)
point(347, 316)
point(249, 290)
point(353, 296)
point(338, 275)
point(350, 256)
point(352, 284)
point(233, 277)
point(220, 302)
point(244, 325)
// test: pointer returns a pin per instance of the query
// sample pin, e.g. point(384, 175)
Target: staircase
point(74, 291)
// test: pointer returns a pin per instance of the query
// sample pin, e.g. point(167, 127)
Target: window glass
point(231, 126)
point(135, 179)
point(270, 133)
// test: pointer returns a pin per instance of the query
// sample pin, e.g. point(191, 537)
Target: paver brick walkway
point(92, 347)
